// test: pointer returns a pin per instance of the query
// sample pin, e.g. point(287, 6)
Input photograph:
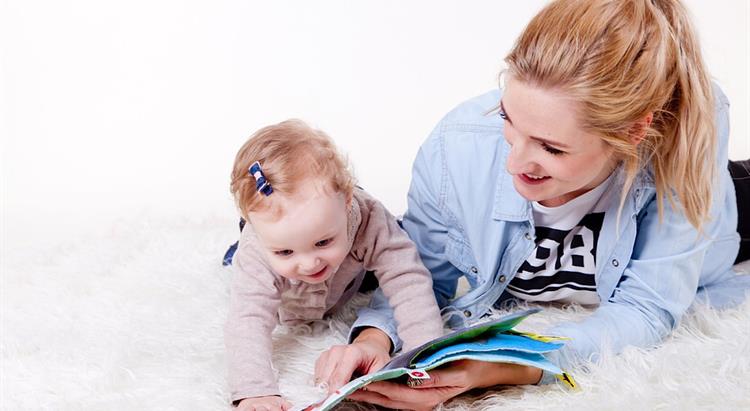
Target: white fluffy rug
point(132, 320)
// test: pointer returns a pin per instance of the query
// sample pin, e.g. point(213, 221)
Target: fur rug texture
point(131, 319)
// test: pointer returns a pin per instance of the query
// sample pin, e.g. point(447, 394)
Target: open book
point(493, 341)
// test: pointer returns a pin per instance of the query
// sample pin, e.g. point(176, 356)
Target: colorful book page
point(489, 343)
point(495, 326)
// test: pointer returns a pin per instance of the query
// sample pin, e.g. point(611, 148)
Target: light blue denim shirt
point(467, 219)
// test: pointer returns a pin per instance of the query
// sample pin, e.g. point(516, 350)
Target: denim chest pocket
point(459, 254)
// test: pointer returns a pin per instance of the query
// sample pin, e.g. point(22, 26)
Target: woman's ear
point(638, 131)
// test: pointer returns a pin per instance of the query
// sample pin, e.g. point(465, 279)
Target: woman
point(598, 176)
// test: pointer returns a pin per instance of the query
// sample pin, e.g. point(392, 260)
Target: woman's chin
point(529, 193)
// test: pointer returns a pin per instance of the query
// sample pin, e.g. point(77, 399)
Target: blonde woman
point(597, 176)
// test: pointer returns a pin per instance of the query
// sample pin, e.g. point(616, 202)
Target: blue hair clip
point(261, 184)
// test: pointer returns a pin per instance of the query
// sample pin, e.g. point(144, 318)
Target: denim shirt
point(468, 220)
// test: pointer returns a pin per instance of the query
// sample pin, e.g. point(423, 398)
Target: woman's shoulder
point(720, 99)
point(473, 128)
point(480, 110)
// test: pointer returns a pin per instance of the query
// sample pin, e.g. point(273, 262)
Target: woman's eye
point(283, 253)
point(323, 243)
point(552, 150)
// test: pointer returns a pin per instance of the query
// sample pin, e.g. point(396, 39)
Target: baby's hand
point(269, 403)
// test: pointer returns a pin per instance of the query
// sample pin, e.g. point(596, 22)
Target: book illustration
point(492, 341)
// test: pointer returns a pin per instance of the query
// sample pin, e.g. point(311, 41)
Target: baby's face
point(309, 241)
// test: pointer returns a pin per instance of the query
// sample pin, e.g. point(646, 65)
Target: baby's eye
point(502, 114)
point(323, 243)
point(283, 253)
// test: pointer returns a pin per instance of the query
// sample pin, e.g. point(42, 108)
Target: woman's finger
point(398, 396)
point(403, 394)
point(447, 377)
point(373, 397)
point(390, 389)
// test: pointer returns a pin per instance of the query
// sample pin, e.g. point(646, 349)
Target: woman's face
point(552, 159)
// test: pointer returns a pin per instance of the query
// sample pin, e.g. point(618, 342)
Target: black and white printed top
point(562, 266)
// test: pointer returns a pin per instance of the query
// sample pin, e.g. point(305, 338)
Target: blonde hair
point(289, 153)
point(622, 60)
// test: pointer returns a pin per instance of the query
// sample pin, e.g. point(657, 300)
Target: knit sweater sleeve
point(253, 312)
point(386, 250)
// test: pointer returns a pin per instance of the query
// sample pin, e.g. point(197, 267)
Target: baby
point(310, 237)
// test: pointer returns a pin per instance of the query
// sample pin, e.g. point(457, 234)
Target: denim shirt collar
point(509, 205)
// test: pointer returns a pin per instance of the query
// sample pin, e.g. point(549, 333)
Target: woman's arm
point(424, 220)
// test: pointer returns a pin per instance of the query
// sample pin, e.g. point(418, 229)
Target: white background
point(118, 109)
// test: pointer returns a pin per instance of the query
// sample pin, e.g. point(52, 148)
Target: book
point(493, 341)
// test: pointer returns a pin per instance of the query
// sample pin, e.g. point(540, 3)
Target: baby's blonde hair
point(289, 153)
point(621, 60)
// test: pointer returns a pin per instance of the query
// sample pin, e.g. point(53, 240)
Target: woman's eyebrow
point(550, 142)
point(507, 116)
point(544, 140)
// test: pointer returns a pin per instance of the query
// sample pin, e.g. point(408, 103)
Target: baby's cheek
point(343, 251)
point(280, 267)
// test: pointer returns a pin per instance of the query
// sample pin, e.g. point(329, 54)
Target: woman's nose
point(519, 158)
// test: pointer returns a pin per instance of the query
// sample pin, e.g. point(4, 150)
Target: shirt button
point(528, 236)
point(474, 270)
point(501, 279)
point(615, 263)
point(467, 313)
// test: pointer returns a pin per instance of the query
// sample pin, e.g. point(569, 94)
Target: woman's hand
point(446, 383)
point(269, 403)
point(369, 352)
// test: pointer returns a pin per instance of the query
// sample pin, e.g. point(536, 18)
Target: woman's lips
point(532, 181)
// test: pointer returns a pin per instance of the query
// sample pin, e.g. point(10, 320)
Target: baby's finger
point(320, 367)
point(343, 371)
point(328, 364)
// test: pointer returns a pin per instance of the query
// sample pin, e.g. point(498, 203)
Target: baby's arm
point(404, 280)
point(254, 303)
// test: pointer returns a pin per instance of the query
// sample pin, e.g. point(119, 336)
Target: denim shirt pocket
point(458, 253)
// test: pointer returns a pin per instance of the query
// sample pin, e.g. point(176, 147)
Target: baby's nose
point(309, 264)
